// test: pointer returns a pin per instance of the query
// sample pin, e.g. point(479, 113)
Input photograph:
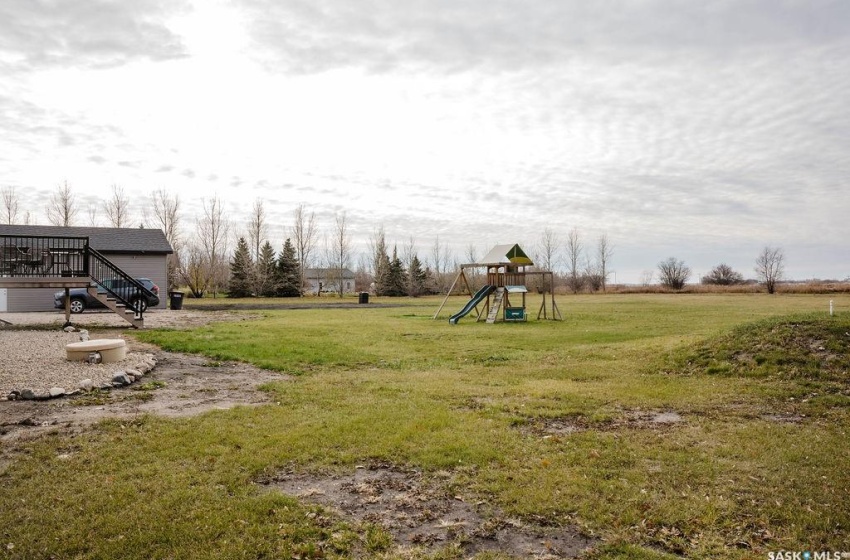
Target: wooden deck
point(49, 282)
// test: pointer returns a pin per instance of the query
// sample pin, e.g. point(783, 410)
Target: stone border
point(120, 378)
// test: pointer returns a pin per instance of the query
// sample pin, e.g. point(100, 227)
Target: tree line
point(204, 263)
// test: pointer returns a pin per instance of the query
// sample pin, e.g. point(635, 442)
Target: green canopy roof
point(506, 254)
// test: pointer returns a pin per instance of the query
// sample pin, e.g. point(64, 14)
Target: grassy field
point(758, 461)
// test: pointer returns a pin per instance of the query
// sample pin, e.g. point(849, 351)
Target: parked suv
point(82, 300)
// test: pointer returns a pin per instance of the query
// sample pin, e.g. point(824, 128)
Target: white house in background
point(318, 280)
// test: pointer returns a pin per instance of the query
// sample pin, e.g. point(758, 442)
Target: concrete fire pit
point(111, 350)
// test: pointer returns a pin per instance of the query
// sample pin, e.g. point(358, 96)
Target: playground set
point(507, 271)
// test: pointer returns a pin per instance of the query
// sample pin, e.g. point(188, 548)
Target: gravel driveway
point(35, 359)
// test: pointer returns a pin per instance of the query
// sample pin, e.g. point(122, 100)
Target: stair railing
point(107, 276)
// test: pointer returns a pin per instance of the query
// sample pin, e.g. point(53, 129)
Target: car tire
point(139, 305)
point(78, 305)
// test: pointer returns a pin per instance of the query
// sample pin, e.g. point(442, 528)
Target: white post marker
point(830, 308)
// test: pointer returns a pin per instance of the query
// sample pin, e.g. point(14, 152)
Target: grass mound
point(804, 348)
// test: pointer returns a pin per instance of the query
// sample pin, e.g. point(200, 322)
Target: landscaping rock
point(28, 394)
point(86, 385)
point(56, 392)
point(121, 379)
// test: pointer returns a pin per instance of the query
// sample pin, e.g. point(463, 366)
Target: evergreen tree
point(415, 277)
point(266, 271)
point(239, 284)
point(396, 277)
point(288, 272)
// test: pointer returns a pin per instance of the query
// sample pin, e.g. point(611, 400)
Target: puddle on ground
point(422, 513)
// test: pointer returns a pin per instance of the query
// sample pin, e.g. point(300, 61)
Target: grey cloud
point(93, 33)
point(382, 35)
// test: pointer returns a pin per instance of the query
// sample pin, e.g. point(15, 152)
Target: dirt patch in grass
point(630, 419)
point(423, 515)
point(179, 385)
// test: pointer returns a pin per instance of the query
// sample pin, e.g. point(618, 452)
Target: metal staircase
point(117, 290)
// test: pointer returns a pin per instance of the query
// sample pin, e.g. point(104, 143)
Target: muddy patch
point(422, 514)
point(631, 419)
point(179, 385)
point(783, 418)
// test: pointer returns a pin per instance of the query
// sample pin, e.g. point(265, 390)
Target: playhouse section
point(503, 296)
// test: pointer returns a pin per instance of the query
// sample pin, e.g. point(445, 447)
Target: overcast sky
point(701, 130)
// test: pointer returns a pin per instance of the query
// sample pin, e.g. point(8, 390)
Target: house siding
point(328, 279)
point(146, 266)
point(138, 266)
point(30, 299)
point(141, 253)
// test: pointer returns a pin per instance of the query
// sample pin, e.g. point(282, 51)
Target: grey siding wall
point(146, 266)
point(30, 299)
point(139, 266)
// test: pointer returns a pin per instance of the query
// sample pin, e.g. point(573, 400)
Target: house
point(140, 252)
point(318, 280)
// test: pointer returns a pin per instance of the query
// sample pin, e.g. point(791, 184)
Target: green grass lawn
point(757, 464)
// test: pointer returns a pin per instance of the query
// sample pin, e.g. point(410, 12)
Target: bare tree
point(440, 259)
point(118, 208)
point(770, 267)
point(471, 257)
point(604, 252)
point(646, 277)
point(194, 270)
point(380, 260)
point(673, 273)
point(548, 249)
point(723, 275)
point(257, 228)
point(408, 251)
point(340, 251)
point(62, 208)
point(257, 234)
point(10, 205)
point(574, 251)
point(592, 277)
point(304, 233)
point(213, 230)
point(91, 212)
point(166, 216)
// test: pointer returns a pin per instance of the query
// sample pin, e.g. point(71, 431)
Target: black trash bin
point(364, 297)
point(176, 300)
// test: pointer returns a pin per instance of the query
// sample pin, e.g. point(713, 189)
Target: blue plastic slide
point(476, 299)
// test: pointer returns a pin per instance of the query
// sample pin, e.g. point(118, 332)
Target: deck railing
point(38, 256)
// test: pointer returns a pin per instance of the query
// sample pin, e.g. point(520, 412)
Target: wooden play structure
point(505, 288)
